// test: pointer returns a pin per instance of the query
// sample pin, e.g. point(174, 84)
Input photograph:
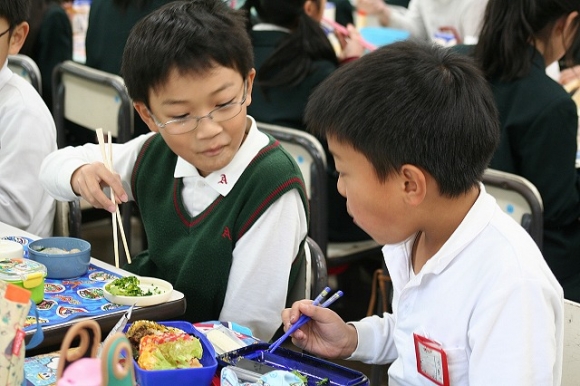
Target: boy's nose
point(208, 128)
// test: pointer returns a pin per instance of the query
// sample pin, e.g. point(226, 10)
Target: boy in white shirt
point(27, 133)
point(412, 128)
point(223, 205)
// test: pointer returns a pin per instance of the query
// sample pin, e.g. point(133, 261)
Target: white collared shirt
point(261, 258)
point(27, 135)
point(487, 296)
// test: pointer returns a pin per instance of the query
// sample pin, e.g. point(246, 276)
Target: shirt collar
point(269, 27)
point(472, 225)
point(223, 180)
point(5, 74)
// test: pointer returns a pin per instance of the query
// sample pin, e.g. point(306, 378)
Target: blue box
point(315, 369)
point(195, 377)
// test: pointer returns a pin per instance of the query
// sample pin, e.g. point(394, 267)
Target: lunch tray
point(315, 369)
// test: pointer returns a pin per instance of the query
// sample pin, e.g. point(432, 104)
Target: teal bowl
point(62, 264)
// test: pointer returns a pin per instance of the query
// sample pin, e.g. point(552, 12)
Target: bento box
point(315, 369)
point(201, 376)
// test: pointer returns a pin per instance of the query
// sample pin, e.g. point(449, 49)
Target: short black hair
point(15, 11)
point(190, 36)
point(415, 103)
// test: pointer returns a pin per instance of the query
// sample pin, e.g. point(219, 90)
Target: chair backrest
point(91, 98)
point(571, 364)
point(67, 219)
point(310, 157)
point(314, 277)
point(519, 198)
point(26, 67)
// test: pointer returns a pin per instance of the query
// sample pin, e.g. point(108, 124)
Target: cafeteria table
point(54, 334)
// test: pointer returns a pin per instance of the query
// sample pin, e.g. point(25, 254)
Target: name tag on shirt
point(431, 360)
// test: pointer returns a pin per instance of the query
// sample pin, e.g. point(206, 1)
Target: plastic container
point(62, 265)
point(201, 376)
point(10, 249)
point(315, 369)
point(25, 273)
point(24, 241)
point(382, 36)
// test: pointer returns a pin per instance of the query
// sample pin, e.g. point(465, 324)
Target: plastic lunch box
point(26, 274)
point(195, 377)
point(315, 369)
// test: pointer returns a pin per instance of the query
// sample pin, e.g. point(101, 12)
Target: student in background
point(293, 55)
point(27, 133)
point(223, 205)
point(425, 19)
point(539, 120)
point(50, 40)
point(412, 127)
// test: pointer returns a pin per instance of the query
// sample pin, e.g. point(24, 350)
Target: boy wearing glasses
point(223, 205)
point(27, 133)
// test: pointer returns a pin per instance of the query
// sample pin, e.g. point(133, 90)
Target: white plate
point(146, 283)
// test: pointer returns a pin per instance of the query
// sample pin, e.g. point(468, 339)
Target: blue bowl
point(63, 265)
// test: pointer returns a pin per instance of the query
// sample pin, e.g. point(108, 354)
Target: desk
point(54, 334)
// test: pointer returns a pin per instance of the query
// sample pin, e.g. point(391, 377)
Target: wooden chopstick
point(116, 217)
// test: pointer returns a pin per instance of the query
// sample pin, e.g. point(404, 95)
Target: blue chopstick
point(303, 318)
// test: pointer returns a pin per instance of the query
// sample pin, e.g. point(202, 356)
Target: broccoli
point(126, 286)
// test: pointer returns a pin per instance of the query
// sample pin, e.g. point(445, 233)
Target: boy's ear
point(18, 38)
point(415, 184)
point(250, 79)
point(146, 116)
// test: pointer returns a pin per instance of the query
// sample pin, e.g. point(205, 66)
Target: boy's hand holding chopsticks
point(324, 333)
point(107, 154)
point(89, 180)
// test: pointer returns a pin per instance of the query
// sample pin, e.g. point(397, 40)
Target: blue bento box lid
point(315, 369)
point(201, 376)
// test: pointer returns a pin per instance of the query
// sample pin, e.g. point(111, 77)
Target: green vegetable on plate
point(129, 286)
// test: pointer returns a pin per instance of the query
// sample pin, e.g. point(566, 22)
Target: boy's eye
point(225, 104)
point(178, 117)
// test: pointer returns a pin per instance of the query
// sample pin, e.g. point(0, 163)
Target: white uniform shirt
point(423, 18)
point(262, 258)
point(27, 135)
point(488, 297)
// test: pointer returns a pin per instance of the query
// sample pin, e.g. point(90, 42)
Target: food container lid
point(24, 241)
point(29, 272)
point(10, 249)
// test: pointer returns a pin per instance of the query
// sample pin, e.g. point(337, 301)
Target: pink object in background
point(85, 372)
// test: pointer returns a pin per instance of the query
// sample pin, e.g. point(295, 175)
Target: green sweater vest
point(195, 253)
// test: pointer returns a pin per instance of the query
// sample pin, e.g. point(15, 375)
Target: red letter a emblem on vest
point(226, 234)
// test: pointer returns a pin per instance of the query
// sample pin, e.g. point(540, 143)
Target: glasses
point(5, 32)
point(219, 114)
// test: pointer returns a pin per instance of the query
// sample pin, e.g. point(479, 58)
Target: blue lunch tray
point(315, 369)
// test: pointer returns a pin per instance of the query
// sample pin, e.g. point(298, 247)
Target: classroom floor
point(355, 281)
